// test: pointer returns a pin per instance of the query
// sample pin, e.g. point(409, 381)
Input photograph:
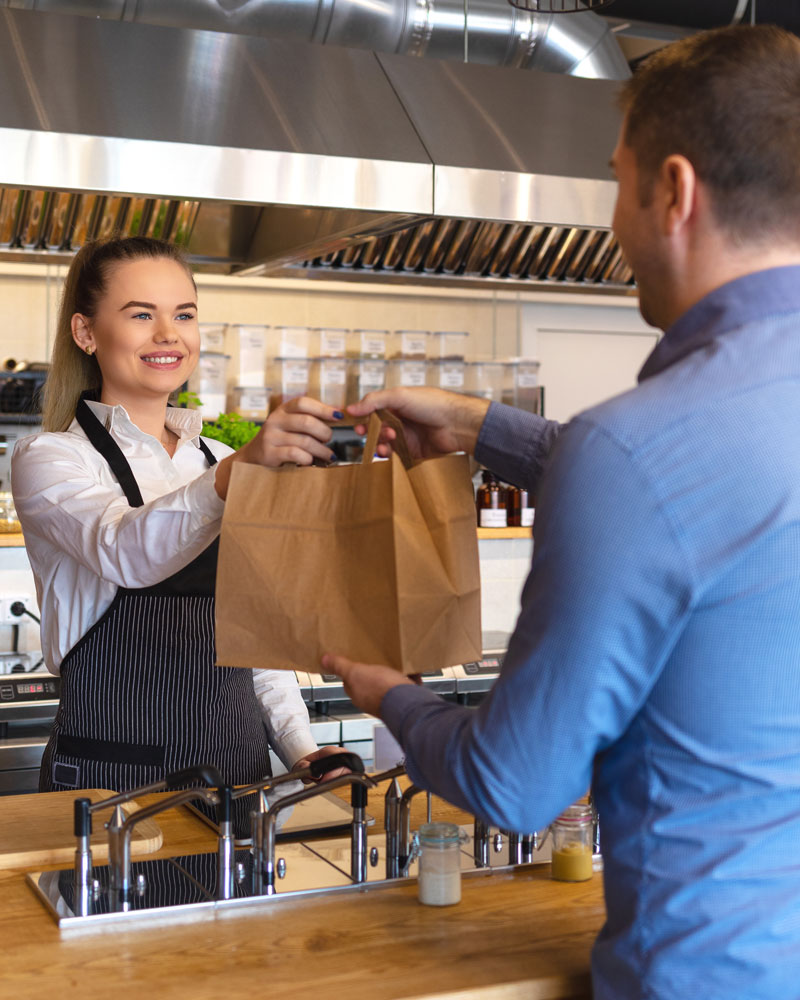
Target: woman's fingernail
point(338, 415)
point(334, 457)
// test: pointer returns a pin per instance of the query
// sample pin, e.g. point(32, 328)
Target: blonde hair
point(72, 371)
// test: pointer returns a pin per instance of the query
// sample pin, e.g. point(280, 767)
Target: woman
point(121, 501)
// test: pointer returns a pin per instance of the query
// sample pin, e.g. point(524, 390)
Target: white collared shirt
point(84, 540)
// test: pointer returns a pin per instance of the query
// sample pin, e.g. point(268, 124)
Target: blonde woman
point(120, 501)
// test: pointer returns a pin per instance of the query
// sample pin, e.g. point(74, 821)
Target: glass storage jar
point(572, 835)
point(439, 882)
point(9, 522)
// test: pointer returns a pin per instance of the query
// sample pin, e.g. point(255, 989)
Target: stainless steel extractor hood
point(264, 154)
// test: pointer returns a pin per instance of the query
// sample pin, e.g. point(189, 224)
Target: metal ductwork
point(497, 33)
point(264, 153)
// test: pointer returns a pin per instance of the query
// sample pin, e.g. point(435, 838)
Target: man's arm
point(606, 598)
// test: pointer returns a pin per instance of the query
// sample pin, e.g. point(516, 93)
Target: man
point(657, 652)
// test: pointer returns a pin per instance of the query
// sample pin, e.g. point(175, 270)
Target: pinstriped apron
point(140, 695)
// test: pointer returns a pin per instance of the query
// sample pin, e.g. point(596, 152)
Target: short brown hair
point(72, 371)
point(729, 101)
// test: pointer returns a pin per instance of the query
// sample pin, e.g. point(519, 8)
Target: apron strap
point(110, 451)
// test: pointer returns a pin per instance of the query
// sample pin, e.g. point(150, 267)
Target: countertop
point(513, 936)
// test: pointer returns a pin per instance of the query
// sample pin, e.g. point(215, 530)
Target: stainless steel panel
point(519, 197)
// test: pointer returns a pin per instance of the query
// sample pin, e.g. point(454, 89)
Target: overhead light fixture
point(559, 6)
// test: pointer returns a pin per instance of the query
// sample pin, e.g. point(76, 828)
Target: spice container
point(572, 834)
point(9, 522)
point(329, 381)
point(367, 344)
point(251, 403)
point(212, 337)
point(491, 503)
point(290, 379)
point(412, 344)
point(484, 379)
point(209, 383)
point(331, 342)
point(527, 393)
point(247, 346)
point(439, 882)
point(450, 344)
point(289, 342)
point(363, 376)
point(400, 371)
point(446, 375)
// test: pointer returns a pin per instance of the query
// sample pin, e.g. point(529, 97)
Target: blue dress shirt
point(657, 654)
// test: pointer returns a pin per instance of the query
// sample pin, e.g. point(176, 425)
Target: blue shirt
point(657, 655)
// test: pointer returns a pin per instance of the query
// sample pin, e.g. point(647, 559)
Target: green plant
point(231, 429)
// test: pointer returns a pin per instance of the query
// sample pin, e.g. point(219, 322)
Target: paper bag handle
point(399, 445)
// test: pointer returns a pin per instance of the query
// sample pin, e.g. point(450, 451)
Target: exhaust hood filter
point(476, 250)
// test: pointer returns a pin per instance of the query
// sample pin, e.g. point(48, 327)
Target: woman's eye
point(185, 316)
point(144, 315)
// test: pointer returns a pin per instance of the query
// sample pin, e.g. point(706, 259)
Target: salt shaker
point(572, 835)
point(439, 882)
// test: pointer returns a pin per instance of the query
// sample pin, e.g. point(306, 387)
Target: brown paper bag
point(378, 562)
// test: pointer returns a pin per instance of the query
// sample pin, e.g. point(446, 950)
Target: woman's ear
point(82, 333)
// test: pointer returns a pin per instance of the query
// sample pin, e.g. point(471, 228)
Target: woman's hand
point(322, 752)
point(435, 422)
point(297, 432)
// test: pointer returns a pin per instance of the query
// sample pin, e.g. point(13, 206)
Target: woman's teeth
point(170, 359)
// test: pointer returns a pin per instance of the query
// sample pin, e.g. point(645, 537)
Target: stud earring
point(89, 350)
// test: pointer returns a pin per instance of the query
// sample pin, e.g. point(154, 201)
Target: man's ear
point(678, 193)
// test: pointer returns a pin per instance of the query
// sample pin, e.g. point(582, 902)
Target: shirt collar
point(732, 305)
point(187, 424)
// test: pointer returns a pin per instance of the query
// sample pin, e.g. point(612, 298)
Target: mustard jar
point(572, 844)
point(439, 882)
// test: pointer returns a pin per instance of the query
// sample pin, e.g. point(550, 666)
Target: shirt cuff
point(400, 703)
point(293, 747)
point(515, 444)
point(205, 500)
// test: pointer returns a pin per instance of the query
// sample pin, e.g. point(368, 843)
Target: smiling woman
point(121, 501)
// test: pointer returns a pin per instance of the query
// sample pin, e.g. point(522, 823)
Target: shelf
point(11, 540)
point(504, 532)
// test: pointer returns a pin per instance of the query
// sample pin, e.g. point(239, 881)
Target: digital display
point(489, 665)
point(32, 688)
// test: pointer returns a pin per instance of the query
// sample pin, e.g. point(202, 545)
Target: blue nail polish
point(338, 415)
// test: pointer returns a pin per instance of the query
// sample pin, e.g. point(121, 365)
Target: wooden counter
point(513, 936)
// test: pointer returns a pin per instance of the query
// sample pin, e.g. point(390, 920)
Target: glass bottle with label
point(520, 507)
point(491, 503)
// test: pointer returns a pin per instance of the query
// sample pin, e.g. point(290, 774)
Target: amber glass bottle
point(520, 507)
point(491, 503)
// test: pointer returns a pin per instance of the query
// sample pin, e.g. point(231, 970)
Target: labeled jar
point(573, 840)
point(439, 882)
point(491, 503)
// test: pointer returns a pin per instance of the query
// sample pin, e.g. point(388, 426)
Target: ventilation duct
point(260, 153)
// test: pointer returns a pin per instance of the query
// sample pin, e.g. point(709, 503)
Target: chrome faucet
point(119, 839)
point(264, 844)
point(404, 822)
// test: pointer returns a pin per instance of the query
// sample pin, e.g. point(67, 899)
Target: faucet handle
point(323, 765)
point(206, 773)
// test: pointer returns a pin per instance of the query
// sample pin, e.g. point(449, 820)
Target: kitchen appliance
point(28, 701)
point(329, 146)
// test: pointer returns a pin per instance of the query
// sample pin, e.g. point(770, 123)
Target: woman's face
point(144, 332)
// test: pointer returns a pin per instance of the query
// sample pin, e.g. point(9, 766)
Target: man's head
point(715, 120)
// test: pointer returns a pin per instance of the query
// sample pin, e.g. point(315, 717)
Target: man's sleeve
point(607, 596)
point(515, 444)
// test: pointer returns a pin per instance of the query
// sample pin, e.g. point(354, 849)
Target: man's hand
point(365, 684)
point(435, 422)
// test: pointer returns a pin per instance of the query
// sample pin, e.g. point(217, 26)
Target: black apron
point(140, 695)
